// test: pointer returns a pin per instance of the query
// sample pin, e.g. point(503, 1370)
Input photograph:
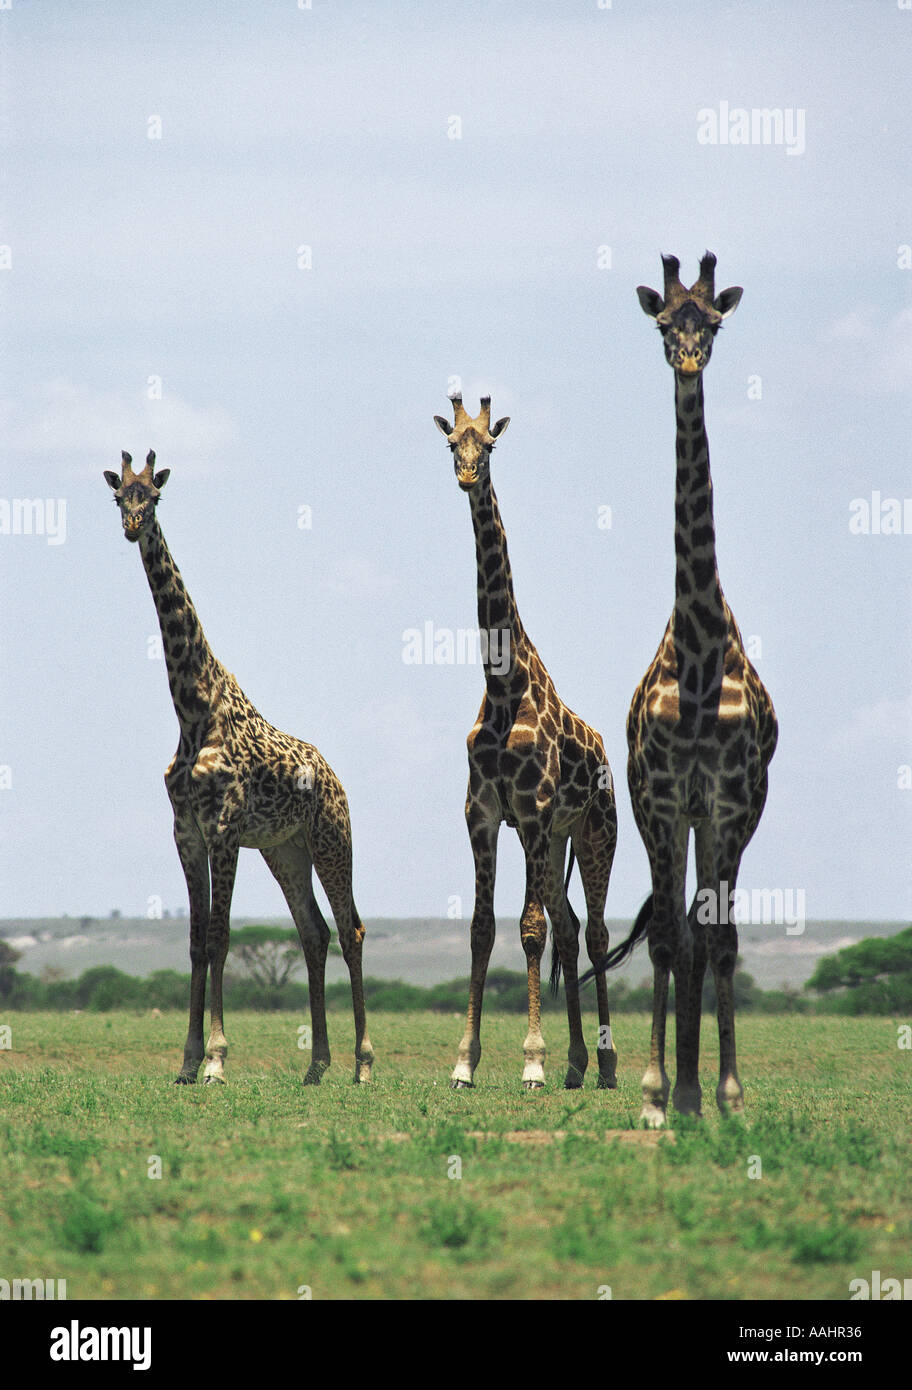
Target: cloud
point(357, 577)
point(884, 364)
point(60, 416)
point(884, 723)
point(858, 326)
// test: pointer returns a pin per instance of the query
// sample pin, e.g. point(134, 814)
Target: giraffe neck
point(193, 672)
point(498, 617)
point(700, 613)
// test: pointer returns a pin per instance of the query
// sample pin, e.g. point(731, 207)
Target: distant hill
point(418, 950)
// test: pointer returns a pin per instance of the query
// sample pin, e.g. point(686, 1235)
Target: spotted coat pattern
point(701, 732)
point(237, 782)
point(537, 766)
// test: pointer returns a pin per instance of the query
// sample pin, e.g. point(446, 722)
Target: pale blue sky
point(133, 258)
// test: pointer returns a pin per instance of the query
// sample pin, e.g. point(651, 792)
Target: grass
point(406, 1189)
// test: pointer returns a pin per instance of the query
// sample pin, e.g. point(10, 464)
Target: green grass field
point(406, 1189)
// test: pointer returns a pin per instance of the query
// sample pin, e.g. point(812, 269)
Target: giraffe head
point(689, 319)
point(137, 494)
point(471, 441)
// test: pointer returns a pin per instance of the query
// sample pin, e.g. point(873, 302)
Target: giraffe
point(235, 781)
point(534, 764)
point(701, 732)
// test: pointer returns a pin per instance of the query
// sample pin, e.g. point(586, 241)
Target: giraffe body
point(537, 766)
point(237, 782)
point(701, 732)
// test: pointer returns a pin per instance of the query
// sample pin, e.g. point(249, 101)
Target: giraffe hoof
point(608, 1063)
point(460, 1085)
point(652, 1117)
point(185, 1080)
point(574, 1079)
point(730, 1097)
point(533, 1085)
point(210, 1080)
point(688, 1102)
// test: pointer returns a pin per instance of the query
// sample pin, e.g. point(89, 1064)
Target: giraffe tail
point(625, 949)
point(555, 954)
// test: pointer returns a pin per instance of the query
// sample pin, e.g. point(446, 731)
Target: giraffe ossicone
point(236, 782)
point(537, 766)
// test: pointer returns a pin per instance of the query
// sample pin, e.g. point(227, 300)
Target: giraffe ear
point(112, 479)
point(161, 478)
point(727, 302)
point(651, 302)
point(443, 425)
point(500, 427)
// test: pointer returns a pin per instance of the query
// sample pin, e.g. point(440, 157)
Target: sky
point(267, 240)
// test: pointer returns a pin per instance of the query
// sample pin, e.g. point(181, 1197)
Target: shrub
point(872, 977)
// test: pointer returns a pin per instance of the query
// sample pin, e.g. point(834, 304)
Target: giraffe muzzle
point(467, 479)
point(690, 365)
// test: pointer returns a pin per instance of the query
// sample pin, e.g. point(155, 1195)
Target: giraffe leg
point(688, 1096)
point(723, 954)
point(731, 835)
point(364, 1052)
point(723, 957)
point(333, 863)
point(690, 963)
point(687, 1081)
point(223, 857)
point(533, 929)
point(718, 853)
point(292, 867)
point(594, 847)
point(331, 849)
point(669, 949)
point(195, 862)
point(565, 926)
point(483, 832)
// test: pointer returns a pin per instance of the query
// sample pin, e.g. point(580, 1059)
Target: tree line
point(872, 977)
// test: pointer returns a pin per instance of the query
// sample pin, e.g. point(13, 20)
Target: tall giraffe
point(537, 766)
point(235, 781)
point(700, 733)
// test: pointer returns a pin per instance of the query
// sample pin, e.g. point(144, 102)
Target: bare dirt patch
point(643, 1138)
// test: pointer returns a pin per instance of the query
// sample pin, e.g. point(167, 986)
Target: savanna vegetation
point(130, 1187)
